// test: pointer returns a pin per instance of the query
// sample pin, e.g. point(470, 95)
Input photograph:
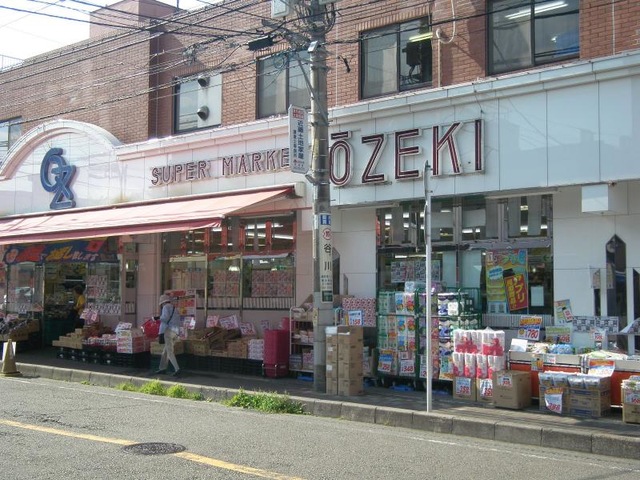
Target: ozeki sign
point(298, 140)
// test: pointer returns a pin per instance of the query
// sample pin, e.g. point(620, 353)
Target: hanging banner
point(322, 223)
point(94, 250)
point(507, 280)
point(517, 291)
point(298, 140)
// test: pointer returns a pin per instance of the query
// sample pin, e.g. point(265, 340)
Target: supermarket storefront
point(529, 192)
point(233, 250)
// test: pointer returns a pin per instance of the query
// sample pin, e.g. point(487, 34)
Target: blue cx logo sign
point(55, 177)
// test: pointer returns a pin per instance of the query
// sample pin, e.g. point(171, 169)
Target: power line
point(151, 28)
point(222, 33)
point(176, 31)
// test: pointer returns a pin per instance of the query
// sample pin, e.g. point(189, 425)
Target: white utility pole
point(316, 18)
point(427, 310)
point(322, 242)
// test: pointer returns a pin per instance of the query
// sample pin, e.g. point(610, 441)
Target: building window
point(281, 82)
point(525, 33)
point(528, 216)
point(198, 103)
point(10, 131)
point(396, 58)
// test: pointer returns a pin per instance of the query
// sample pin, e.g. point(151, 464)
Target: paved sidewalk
point(604, 436)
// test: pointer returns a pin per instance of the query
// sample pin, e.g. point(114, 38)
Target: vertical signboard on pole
point(326, 256)
point(298, 139)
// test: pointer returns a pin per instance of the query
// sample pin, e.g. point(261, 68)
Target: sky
point(24, 34)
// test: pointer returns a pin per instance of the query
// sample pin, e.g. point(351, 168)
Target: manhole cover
point(154, 448)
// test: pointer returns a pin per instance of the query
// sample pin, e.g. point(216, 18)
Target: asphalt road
point(59, 430)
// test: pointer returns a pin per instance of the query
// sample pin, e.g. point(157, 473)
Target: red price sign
point(463, 386)
point(553, 399)
point(384, 366)
point(407, 367)
point(632, 398)
point(486, 388)
point(505, 381)
point(554, 407)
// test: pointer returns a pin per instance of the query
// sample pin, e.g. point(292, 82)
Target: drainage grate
point(154, 448)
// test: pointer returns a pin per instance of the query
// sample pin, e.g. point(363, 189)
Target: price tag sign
point(355, 318)
point(505, 381)
point(385, 363)
point(407, 367)
point(553, 399)
point(529, 328)
point(486, 387)
point(463, 386)
point(632, 397)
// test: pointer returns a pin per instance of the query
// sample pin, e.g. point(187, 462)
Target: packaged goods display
point(631, 399)
point(402, 334)
point(575, 394)
point(453, 312)
point(301, 334)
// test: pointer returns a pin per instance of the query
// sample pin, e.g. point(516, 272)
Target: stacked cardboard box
point(131, 341)
point(70, 340)
point(204, 341)
point(156, 348)
point(198, 347)
point(589, 396)
point(237, 348)
point(631, 399)
point(464, 388)
point(332, 360)
point(511, 389)
point(344, 360)
point(17, 329)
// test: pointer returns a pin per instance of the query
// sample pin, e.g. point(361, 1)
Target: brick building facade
point(123, 79)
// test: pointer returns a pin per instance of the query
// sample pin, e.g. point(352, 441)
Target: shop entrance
point(59, 282)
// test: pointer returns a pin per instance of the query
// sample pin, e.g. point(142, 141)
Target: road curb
point(567, 440)
point(358, 413)
point(394, 417)
point(472, 427)
point(509, 432)
point(512, 432)
point(604, 444)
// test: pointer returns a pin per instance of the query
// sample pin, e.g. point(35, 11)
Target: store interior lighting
point(525, 12)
